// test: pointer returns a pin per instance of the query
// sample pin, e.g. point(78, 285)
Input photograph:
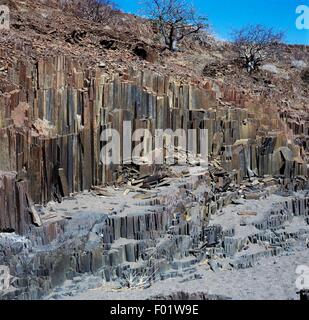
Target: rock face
point(95, 242)
point(147, 238)
point(57, 147)
point(14, 204)
point(51, 123)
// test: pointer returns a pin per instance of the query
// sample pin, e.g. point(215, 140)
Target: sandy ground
point(270, 279)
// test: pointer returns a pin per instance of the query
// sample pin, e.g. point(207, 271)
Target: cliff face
point(51, 128)
point(60, 89)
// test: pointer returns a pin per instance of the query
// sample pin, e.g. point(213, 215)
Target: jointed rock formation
point(65, 213)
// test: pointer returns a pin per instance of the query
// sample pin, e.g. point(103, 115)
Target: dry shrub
point(93, 10)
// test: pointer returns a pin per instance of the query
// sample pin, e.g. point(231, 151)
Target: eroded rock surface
point(137, 226)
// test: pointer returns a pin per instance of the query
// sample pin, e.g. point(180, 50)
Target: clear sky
point(225, 15)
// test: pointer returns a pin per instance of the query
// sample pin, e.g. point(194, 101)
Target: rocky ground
point(40, 29)
point(260, 268)
point(270, 279)
point(127, 242)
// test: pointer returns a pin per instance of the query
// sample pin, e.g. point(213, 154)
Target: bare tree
point(255, 43)
point(175, 19)
point(95, 10)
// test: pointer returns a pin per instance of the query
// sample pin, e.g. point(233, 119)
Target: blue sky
point(225, 15)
